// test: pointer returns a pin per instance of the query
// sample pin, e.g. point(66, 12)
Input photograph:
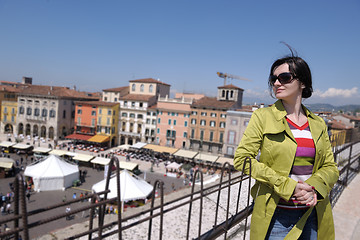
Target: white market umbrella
point(131, 187)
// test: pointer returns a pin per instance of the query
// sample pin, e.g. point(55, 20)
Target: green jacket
point(269, 132)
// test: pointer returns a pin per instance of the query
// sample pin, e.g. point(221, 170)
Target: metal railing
point(348, 160)
point(229, 187)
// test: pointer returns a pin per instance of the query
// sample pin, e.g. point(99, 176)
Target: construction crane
point(226, 75)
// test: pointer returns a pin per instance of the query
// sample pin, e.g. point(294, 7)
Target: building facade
point(173, 122)
point(47, 111)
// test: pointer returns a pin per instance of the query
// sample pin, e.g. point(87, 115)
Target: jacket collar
point(279, 111)
point(281, 125)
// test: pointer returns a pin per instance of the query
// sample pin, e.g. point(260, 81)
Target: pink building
point(173, 121)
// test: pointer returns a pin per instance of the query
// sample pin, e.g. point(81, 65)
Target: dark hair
point(300, 70)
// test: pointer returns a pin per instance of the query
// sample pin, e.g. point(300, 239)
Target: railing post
point(348, 166)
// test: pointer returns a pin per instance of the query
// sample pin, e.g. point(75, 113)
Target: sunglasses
point(283, 78)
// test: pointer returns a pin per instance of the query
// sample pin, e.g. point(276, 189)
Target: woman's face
point(286, 91)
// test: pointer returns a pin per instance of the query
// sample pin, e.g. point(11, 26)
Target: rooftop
point(212, 103)
point(149, 80)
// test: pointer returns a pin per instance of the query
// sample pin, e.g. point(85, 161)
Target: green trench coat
point(269, 132)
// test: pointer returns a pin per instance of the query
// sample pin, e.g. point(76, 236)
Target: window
point(231, 137)
point(212, 123)
point(221, 137)
point(234, 122)
point(142, 88)
point(125, 103)
point(36, 112)
point(132, 115)
point(28, 111)
point(246, 122)
point(109, 112)
point(13, 110)
point(223, 93)
point(64, 114)
point(203, 114)
point(223, 115)
point(213, 114)
point(79, 111)
point(140, 116)
point(147, 121)
point(169, 121)
point(174, 122)
point(158, 120)
point(93, 113)
point(105, 98)
point(133, 87)
point(193, 121)
point(193, 113)
point(185, 124)
point(5, 109)
point(140, 104)
point(44, 112)
point(222, 124)
point(93, 122)
point(230, 151)
point(133, 104)
point(108, 121)
point(151, 88)
point(21, 110)
point(52, 113)
point(202, 135)
point(158, 130)
point(185, 134)
point(5, 118)
point(99, 120)
point(211, 136)
point(192, 133)
point(115, 99)
point(12, 119)
point(153, 122)
point(78, 121)
point(100, 110)
point(202, 122)
point(124, 114)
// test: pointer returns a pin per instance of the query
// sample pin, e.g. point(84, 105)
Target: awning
point(174, 165)
point(185, 154)
point(161, 149)
point(6, 162)
point(21, 146)
point(7, 144)
point(100, 160)
point(206, 157)
point(222, 160)
point(77, 136)
point(128, 165)
point(124, 146)
point(83, 157)
point(42, 150)
point(58, 152)
point(139, 145)
point(99, 139)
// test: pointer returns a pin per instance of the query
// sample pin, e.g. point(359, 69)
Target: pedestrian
point(74, 196)
point(8, 208)
point(64, 198)
point(67, 210)
point(173, 186)
point(296, 170)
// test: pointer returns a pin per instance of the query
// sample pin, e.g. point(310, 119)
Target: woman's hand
point(305, 194)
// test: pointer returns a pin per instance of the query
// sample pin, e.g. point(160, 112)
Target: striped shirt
point(304, 158)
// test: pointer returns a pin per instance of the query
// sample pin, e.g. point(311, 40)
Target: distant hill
point(316, 107)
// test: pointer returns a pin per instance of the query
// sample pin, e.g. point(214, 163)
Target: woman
point(296, 168)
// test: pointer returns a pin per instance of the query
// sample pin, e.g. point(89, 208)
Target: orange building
point(173, 122)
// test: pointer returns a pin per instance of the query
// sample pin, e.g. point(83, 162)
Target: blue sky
point(103, 44)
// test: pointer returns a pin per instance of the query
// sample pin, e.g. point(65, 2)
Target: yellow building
point(108, 120)
point(8, 116)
